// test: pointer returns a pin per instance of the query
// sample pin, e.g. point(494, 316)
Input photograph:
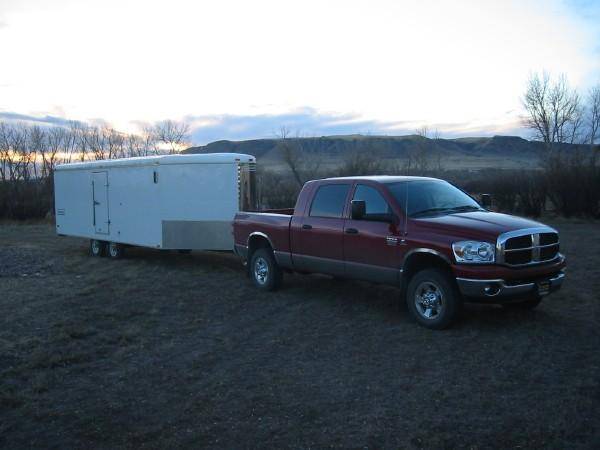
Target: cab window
point(329, 201)
point(377, 207)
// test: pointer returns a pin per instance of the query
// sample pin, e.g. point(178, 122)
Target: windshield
point(430, 197)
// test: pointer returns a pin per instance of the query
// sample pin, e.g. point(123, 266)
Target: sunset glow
point(239, 69)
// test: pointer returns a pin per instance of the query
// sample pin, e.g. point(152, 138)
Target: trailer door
point(100, 202)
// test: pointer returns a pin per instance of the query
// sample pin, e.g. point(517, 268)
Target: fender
point(425, 250)
point(260, 234)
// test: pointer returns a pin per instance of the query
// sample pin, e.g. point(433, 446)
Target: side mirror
point(359, 208)
point(486, 201)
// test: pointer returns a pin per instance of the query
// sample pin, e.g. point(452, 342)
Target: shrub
point(275, 190)
point(21, 200)
point(573, 184)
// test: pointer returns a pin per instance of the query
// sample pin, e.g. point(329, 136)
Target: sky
point(237, 69)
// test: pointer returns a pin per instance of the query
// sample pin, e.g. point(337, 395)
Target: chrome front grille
point(527, 247)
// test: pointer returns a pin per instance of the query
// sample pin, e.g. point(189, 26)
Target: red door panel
point(372, 247)
point(318, 241)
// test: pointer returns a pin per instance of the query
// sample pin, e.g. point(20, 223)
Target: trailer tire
point(97, 248)
point(264, 270)
point(115, 250)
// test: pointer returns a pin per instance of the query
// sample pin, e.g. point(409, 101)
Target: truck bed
point(274, 225)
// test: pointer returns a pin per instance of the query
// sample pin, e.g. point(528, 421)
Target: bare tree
point(37, 146)
point(95, 141)
point(115, 143)
point(364, 159)
point(149, 141)
point(20, 157)
point(594, 114)
point(5, 160)
point(554, 110)
point(56, 143)
point(174, 135)
point(78, 143)
point(298, 157)
point(290, 154)
point(423, 148)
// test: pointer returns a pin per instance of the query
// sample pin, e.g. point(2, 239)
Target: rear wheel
point(97, 248)
point(264, 271)
point(433, 299)
point(115, 250)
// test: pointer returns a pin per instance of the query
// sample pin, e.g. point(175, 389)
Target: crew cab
point(424, 235)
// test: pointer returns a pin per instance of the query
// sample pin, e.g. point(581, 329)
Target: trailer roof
point(206, 158)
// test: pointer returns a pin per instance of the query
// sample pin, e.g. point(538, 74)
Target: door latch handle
point(306, 227)
point(391, 240)
point(351, 231)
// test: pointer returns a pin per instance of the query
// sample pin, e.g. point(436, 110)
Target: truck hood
point(477, 224)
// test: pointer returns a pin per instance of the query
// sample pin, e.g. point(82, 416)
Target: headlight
point(473, 252)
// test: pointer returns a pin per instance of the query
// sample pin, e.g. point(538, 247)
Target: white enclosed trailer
point(184, 202)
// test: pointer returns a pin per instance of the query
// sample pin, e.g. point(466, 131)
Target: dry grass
point(166, 350)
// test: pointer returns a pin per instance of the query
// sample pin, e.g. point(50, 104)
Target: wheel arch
point(258, 240)
point(423, 258)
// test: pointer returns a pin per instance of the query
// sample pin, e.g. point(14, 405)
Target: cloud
point(305, 121)
point(302, 122)
point(309, 122)
point(39, 120)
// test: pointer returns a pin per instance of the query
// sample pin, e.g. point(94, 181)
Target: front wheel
point(433, 299)
point(264, 271)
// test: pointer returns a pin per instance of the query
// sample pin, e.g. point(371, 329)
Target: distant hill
point(476, 152)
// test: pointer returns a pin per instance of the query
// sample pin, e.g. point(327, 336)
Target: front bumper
point(498, 290)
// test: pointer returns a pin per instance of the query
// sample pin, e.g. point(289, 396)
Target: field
point(163, 350)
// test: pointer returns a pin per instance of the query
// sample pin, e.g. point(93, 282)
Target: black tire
point(97, 248)
point(264, 271)
point(529, 304)
point(184, 252)
point(433, 299)
point(115, 250)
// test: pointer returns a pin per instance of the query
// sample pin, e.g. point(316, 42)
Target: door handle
point(351, 231)
point(306, 227)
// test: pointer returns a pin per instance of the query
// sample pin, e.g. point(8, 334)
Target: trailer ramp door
point(100, 202)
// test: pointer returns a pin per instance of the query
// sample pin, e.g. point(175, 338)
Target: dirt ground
point(163, 350)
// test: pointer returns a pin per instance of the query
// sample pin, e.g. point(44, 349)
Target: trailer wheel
point(264, 271)
point(97, 248)
point(115, 250)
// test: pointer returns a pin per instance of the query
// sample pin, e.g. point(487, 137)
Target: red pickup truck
point(423, 235)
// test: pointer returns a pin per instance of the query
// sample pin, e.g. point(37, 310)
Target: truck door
point(372, 245)
point(100, 216)
point(318, 237)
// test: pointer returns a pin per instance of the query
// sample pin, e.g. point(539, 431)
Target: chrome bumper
point(499, 289)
